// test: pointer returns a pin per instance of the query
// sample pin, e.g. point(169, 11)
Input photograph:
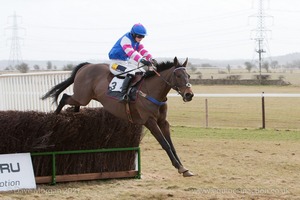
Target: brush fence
point(91, 144)
point(69, 146)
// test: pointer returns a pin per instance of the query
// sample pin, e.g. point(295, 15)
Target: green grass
point(224, 112)
point(235, 134)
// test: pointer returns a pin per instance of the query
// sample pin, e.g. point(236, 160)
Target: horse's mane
point(160, 67)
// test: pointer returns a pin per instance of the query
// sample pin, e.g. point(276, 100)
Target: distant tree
point(274, 64)
point(199, 75)
point(249, 66)
point(68, 67)
point(36, 67)
point(266, 66)
point(204, 65)
point(23, 67)
point(228, 68)
point(193, 68)
point(296, 64)
point(49, 65)
point(9, 67)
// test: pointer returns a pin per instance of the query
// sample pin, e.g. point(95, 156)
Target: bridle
point(174, 86)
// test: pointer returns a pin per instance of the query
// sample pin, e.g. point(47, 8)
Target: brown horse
point(91, 81)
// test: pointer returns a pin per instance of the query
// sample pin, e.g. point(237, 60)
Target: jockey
point(126, 55)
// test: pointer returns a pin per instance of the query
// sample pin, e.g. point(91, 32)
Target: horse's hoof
point(182, 170)
point(187, 174)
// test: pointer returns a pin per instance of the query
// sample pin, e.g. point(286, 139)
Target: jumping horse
point(91, 81)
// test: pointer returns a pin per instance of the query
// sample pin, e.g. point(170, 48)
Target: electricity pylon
point(15, 56)
point(261, 33)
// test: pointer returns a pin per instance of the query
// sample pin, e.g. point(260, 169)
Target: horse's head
point(180, 80)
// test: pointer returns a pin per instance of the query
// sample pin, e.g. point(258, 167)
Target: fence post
point(53, 169)
point(206, 113)
point(263, 111)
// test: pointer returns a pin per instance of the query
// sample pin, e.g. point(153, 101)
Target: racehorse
point(91, 81)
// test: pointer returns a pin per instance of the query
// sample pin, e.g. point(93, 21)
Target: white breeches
point(118, 67)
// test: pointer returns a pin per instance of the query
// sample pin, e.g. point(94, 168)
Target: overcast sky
point(207, 29)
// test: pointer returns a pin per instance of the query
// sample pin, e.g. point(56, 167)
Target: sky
point(83, 30)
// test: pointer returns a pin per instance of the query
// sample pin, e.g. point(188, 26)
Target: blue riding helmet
point(138, 29)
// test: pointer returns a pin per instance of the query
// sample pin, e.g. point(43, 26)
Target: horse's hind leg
point(62, 103)
point(67, 99)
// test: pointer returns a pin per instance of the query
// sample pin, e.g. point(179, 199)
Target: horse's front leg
point(152, 125)
point(165, 128)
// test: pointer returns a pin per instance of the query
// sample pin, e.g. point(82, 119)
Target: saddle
point(114, 87)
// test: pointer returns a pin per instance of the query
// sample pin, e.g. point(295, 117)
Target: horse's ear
point(185, 62)
point(175, 61)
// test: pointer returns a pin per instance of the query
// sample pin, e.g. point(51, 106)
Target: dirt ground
point(223, 168)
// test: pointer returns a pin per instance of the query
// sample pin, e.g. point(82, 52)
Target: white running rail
point(23, 91)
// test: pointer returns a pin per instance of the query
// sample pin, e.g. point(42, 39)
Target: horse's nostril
point(189, 96)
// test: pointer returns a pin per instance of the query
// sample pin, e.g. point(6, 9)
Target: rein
point(174, 87)
point(131, 70)
point(153, 100)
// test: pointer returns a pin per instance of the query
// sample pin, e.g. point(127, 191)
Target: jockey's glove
point(146, 62)
point(152, 68)
point(154, 62)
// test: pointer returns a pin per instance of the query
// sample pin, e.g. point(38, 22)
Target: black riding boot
point(125, 86)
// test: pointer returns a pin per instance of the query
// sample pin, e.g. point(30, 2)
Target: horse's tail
point(56, 90)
